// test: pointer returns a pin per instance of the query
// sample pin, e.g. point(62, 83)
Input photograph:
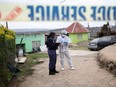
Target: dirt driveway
point(86, 74)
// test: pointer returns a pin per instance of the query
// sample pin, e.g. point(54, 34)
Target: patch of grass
point(79, 48)
point(37, 55)
point(82, 48)
point(32, 59)
point(26, 68)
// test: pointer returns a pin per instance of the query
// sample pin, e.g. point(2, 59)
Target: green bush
point(7, 54)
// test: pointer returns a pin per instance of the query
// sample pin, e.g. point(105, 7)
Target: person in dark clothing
point(52, 46)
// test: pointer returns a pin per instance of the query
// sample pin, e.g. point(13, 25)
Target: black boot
point(56, 70)
point(51, 72)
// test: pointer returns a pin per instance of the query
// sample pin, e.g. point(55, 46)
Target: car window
point(105, 38)
point(114, 38)
point(95, 40)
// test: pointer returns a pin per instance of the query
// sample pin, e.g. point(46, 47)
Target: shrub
point(7, 54)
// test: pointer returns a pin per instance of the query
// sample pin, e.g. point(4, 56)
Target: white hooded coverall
point(63, 50)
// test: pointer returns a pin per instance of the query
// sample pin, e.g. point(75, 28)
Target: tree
point(105, 30)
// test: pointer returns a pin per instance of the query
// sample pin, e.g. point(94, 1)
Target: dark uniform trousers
point(52, 59)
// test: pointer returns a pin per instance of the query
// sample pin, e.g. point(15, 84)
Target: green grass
point(37, 55)
point(32, 59)
point(79, 48)
point(26, 68)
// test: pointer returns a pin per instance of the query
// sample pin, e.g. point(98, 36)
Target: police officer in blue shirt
point(52, 46)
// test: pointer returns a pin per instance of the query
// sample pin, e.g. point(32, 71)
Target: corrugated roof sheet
point(30, 31)
point(37, 31)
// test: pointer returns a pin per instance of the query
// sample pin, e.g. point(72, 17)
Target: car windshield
point(95, 40)
point(106, 39)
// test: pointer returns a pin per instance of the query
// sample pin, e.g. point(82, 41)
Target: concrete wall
point(75, 39)
point(28, 38)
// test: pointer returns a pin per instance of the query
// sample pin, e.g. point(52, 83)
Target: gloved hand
point(66, 43)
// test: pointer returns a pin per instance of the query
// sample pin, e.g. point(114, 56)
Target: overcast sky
point(54, 25)
point(103, 2)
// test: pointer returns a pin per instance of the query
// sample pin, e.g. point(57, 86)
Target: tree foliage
point(106, 31)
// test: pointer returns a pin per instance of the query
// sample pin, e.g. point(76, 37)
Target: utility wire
point(62, 1)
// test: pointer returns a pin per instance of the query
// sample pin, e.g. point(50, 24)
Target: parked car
point(102, 42)
point(106, 41)
point(93, 44)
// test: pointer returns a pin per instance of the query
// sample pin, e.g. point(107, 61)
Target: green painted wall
point(76, 39)
point(27, 40)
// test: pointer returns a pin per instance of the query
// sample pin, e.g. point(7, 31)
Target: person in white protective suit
point(64, 40)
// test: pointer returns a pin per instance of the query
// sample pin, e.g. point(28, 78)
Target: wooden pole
point(6, 24)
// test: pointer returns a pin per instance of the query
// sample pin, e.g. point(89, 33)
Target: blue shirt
point(51, 44)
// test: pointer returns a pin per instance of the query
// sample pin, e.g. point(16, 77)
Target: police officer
point(52, 46)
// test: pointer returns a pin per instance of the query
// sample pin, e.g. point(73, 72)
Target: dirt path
point(86, 74)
